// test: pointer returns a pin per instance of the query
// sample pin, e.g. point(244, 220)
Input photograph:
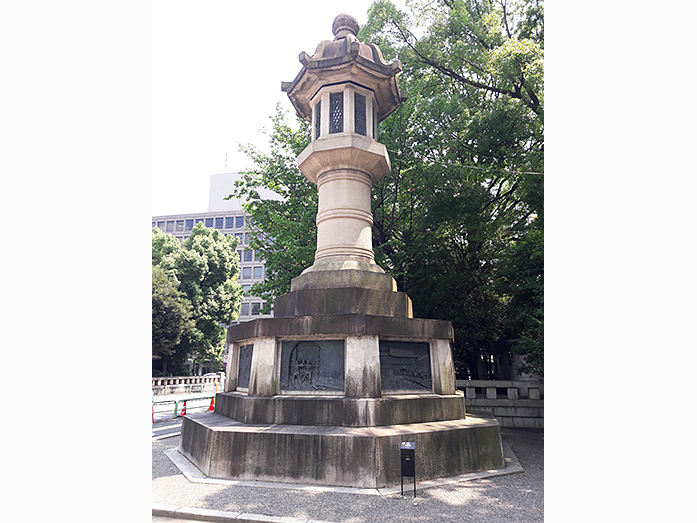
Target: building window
point(209, 222)
point(170, 226)
point(246, 273)
point(180, 225)
point(244, 309)
point(360, 114)
point(161, 226)
point(199, 220)
point(255, 309)
point(219, 223)
point(256, 256)
point(240, 238)
point(336, 113)
point(258, 273)
point(239, 221)
point(239, 253)
point(318, 119)
point(246, 288)
point(153, 225)
point(189, 224)
point(248, 256)
point(229, 222)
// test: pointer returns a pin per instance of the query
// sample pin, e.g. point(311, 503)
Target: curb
point(200, 514)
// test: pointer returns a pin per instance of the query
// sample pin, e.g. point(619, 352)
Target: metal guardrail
point(176, 404)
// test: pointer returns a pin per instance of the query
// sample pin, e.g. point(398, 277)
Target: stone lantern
point(344, 90)
point(326, 390)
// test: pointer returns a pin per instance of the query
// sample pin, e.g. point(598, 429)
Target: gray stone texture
point(345, 324)
point(333, 278)
point(346, 300)
point(338, 410)
point(365, 457)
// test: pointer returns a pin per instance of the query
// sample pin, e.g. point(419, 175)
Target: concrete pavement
point(180, 493)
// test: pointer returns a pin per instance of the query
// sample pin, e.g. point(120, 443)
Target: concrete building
point(229, 218)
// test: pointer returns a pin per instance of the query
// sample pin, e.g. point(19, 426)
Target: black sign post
point(407, 458)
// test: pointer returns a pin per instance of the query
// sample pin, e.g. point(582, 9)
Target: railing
point(517, 404)
point(181, 401)
point(187, 384)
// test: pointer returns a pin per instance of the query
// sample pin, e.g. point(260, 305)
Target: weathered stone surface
point(345, 58)
point(264, 377)
point(362, 367)
point(443, 369)
point(344, 277)
point(338, 410)
point(343, 324)
point(347, 456)
point(347, 300)
point(344, 151)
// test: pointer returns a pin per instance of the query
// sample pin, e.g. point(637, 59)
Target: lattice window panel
point(336, 113)
point(360, 121)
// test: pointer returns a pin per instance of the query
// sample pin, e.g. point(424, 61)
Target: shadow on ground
point(512, 498)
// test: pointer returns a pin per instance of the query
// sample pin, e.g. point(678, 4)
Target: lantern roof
point(345, 60)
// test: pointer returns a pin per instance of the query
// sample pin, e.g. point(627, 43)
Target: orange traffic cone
point(184, 409)
point(212, 407)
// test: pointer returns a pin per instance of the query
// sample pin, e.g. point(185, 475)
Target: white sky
point(217, 68)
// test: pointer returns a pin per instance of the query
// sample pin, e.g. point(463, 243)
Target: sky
point(217, 68)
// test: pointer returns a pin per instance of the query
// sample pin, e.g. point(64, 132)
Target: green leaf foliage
point(171, 318)
point(459, 222)
point(283, 230)
point(204, 267)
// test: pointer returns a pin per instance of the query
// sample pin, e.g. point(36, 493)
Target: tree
point(171, 319)
point(205, 266)
point(463, 199)
point(463, 205)
point(283, 230)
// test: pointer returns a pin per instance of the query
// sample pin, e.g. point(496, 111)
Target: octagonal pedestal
point(365, 457)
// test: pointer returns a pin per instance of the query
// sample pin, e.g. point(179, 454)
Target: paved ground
point(512, 498)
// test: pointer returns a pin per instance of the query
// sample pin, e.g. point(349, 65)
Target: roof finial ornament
point(343, 25)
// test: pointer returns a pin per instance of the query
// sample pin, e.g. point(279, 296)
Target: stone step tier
point(363, 457)
point(340, 411)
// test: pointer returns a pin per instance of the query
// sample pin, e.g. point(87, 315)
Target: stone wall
point(515, 404)
point(187, 384)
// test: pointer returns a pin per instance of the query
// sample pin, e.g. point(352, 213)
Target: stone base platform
point(364, 457)
point(340, 411)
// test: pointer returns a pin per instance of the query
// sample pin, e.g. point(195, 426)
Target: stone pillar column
point(344, 220)
point(264, 377)
point(233, 362)
point(362, 367)
point(442, 368)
